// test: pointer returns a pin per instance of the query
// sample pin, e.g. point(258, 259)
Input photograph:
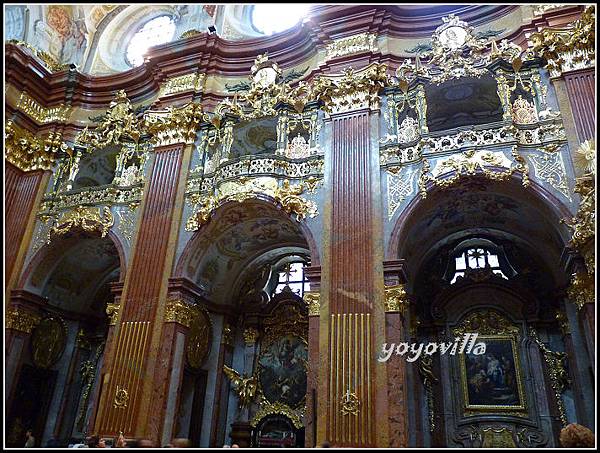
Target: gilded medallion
point(199, 340)
point(48, 342)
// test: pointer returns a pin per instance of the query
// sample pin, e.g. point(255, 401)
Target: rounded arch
point(47, 249)
point(537, 196)
point(196, 238)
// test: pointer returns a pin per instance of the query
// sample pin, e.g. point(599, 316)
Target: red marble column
point(20, 194)
point(581, 88)
point(134, 370)
point(313, 274)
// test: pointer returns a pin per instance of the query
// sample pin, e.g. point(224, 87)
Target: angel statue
point(245, 387)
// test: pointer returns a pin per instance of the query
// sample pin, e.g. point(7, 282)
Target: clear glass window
point(477, 258)
point(269, 18)
point(292, 275)
point(156, 31)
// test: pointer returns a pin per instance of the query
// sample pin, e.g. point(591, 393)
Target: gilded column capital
point(396, 299)
point(566, 49)
point(180, 312)
point(21, 320)
point(28, 152)
point(175, 124)
point(250, 336)
point(581, 289)
point(112, 310)
point(313, 299)
point(353, 90)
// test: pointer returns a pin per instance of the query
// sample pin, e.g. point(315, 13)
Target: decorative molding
point(180, 312)
point(21, 320)
point(486, 322)
point(112, 310)
point(396, 299)
point(567, 49)
point(90, 219)
point(28, 152)
point(559, 378)
point(540, 9)
point(399, 187)
point(42, 114)
point(49, 61)
point(313, 299)
point(549, 167)
point(363, 42)
point(180, 84)
point(273, 409)
point(175, 125)
point(250, 336)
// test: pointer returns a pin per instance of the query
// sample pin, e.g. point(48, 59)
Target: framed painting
point(492, 381)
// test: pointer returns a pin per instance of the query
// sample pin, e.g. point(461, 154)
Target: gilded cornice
point(569, 48)
point(41, 114)
point(28, 152)
point(21, 320)
point(48, 60)
point(396, 299)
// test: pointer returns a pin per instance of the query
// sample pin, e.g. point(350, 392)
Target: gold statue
point(244, 386)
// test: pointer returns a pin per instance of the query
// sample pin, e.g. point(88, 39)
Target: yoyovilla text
point(413, 351)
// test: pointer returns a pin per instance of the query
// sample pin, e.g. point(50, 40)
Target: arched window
point(292, 275)
point(156, 31)
point(476, 255)
point(269, 19)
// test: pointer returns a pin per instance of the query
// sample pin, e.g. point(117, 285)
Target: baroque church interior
point(218, 217)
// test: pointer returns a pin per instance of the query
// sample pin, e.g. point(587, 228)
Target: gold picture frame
point(493, 377)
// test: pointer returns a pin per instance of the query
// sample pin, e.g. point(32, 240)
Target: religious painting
point(283, 370)
point(492, 381)
point(48, 342)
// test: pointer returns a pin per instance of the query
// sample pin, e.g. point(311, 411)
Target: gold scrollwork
point(363, 42)
point(121, 398)
point(428, 378)
point(581, 289)
point(87, 218)
point(557, 372)
point(48, 60)
point(250, 336)
point(175, 125)
point(112, 310)
point(28, 152)
point(179, 311)
point(42, 114)
point(276, 408)
point(350, 404)
point(396, 299)
point(21, 320)
point(313, 301)
point(568, 48)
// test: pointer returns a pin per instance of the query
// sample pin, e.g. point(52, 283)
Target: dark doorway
point(197, 408)
point(30, 405)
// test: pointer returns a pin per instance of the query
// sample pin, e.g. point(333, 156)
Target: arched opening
point(484, 257)
point(248, 262)
point(69, 282)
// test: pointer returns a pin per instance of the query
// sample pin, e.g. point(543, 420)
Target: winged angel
point(244, 386)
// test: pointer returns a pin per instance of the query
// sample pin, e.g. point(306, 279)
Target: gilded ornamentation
point(396, 299)
point(559, 378)
point(28, 152)
point(584, 222)
point(429, 379)
point(293, 203)
point(563, 322)
point(267, 408)
point(244, 386)
point(352, 91)
point(119, 124)
point(112, 310)
point(538, 10)
point(313, 299)
point(89, 219)
point(126, 225)
point(21, 320)
point(486, 322)
point(363, 42)
point(524, 112)
point(408, 131)
point(175, 125)
point(584, 158)
point(497, 437)
point(227, 336)
point(190, 33)
point(48, 60)
point(470, 163)
point(41, 114)
point(48, 341)
point(121, 398)
point(350, 404)
point(570, 48)
point(400, 187)
point(298, 148)
point(250, 336)
point(581, 289)
point(180, 84)
point(179, 311)
point(88, 375)
point(549, 167)
point(199, 338)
